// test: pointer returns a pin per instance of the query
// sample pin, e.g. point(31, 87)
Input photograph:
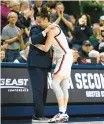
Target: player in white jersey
point(63, 55)
point(64, 59)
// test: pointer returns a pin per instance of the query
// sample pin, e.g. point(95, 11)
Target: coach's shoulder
point(35, 27)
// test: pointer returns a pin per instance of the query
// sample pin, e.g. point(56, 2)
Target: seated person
point(94, 54)
point(101, 47)
point(86, 47)
point(96, 39)
point(2, 56)
point(101, 58)
point(102, 25)
point(75, 56)
point(82, 31)
point(23, 55)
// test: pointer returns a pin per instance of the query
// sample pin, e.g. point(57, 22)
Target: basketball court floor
point(24, 122)
point(92, 120)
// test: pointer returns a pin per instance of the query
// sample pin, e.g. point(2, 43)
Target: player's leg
point(65, 86)
point(60, 117)
point(59, 93)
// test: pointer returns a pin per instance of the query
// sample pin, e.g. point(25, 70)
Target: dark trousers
point(38, 78)
point(11, 55)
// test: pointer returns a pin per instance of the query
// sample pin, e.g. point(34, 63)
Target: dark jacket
point(81, 34)
point(36, 57)
point(83, 54)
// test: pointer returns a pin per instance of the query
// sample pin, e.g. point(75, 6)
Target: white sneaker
point(59, 118)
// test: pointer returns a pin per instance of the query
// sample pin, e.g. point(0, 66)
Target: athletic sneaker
point(39, 119)
point(59, 118)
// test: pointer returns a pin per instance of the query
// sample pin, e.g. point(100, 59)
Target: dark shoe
point(40, 119)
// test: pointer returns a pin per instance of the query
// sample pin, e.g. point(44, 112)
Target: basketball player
point(64, 59)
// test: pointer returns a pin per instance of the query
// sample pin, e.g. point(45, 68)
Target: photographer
point(82, 31)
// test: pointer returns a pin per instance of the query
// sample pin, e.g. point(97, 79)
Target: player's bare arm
point(50, 39)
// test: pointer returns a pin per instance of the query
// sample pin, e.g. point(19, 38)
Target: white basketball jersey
point(60, 46)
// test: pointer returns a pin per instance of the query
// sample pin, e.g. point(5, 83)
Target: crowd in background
point(84, 31)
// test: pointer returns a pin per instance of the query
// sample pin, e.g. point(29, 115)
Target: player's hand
point(52, 26)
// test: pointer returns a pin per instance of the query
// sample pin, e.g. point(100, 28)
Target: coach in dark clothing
point(39, 63)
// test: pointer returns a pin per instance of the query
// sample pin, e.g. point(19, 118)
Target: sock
point(65, 108)
point(62, 109)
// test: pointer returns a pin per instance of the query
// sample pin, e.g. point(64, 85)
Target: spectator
point(102, 26)
point(2, 56)
point(23, 55)
point(51, 5)
point(24, 19)
point(24, 5)
point(93, 8)
point(62, 19)
point(101, 21)
point(15, 5)
point(13, 36)
point(94, 54)
point(4, 12)
point(75, 56)
point(82, 31)
point(101, 58)
point(101, 47)
point(3, 45)
point(25, 22)
point(96, 38)
point(86, 48)
point(37, 7)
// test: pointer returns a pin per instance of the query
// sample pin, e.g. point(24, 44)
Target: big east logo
point(14, 85)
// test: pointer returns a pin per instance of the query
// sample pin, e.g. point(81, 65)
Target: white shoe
point(59, 118)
